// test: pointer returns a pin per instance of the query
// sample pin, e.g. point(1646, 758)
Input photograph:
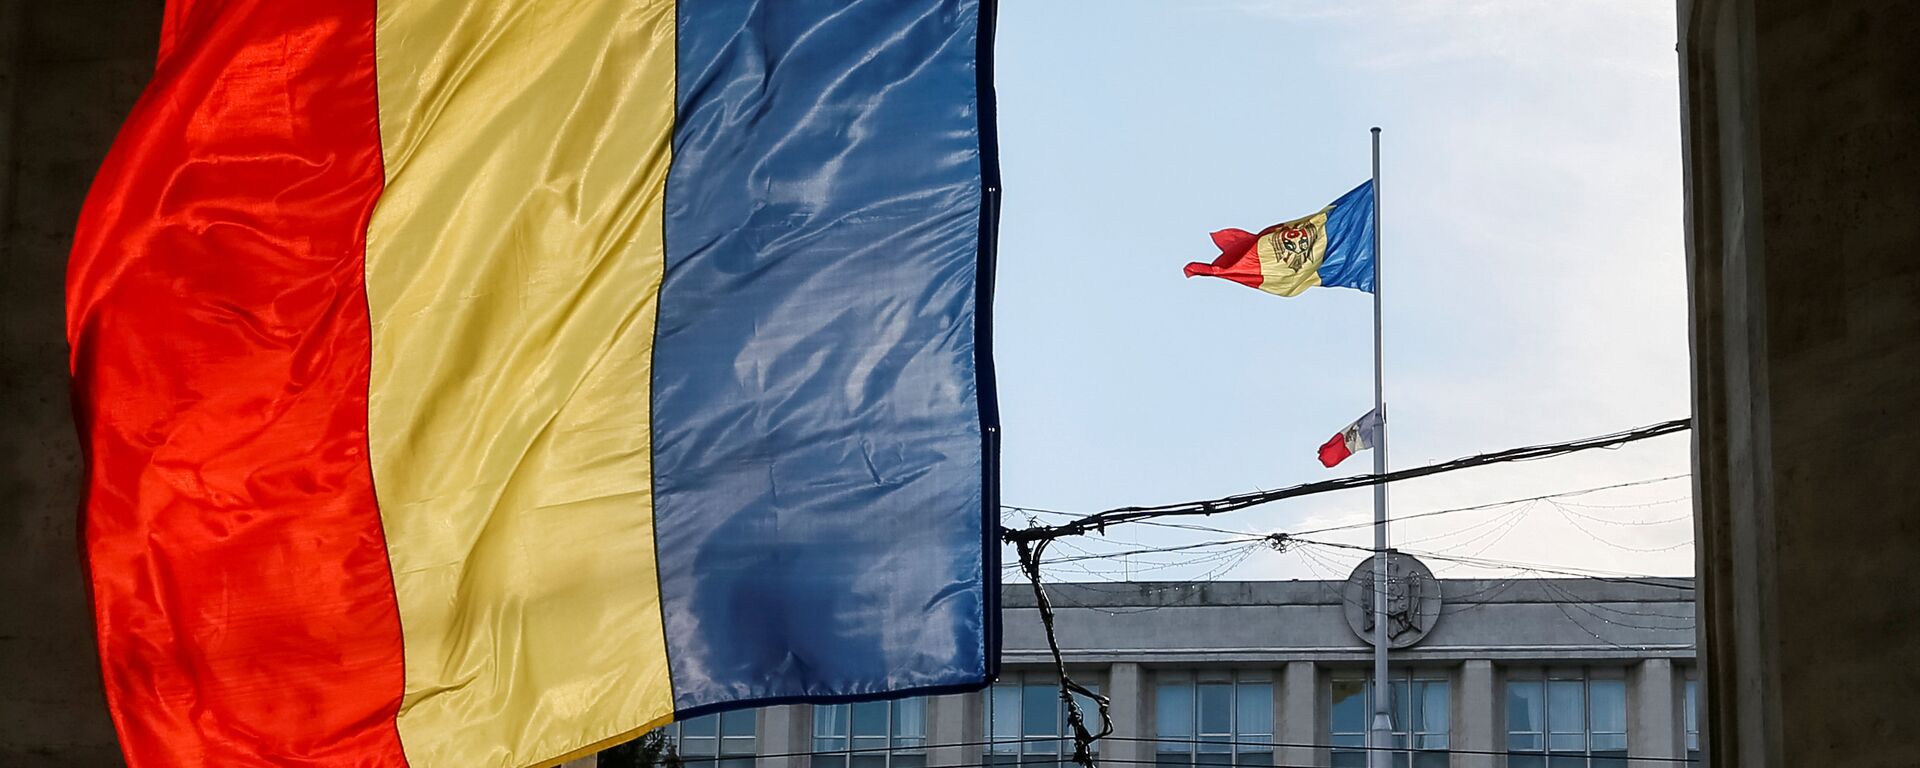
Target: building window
point(1419, 707)
point(1691, 714)
point(1214, 722)
point(1027, 723)
point(874, 734)
point(1566, 722)
point(724, 740)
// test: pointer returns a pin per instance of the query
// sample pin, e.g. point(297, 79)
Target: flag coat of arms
point(1332, 247)
point(482, 382)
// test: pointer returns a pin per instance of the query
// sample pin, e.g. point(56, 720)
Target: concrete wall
point(1300, 708)
point(1128, 638)
point(1273, 622)
point(1803, 196)
point(74, 68)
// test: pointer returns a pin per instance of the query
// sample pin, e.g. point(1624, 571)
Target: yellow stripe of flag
point(513, 268)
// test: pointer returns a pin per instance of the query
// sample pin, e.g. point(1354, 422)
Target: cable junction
point(1031, 543)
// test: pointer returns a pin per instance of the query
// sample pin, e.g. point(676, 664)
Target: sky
point(1532, 272)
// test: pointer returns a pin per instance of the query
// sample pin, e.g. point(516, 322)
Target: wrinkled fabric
point(1349, 260)
point(818, 432)
point(513, 266)
point(217, 317)
point(1333, 247)
point(482, 382)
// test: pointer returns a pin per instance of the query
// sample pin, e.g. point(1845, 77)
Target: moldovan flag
point(1362, 434)
point(478, 383)
point(1332, 248)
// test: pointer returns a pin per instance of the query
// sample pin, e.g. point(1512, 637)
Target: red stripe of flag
point(218, 319)
point(1238, 261)
point(1335, 450)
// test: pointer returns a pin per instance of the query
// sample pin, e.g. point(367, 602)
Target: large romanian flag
point(478, 382)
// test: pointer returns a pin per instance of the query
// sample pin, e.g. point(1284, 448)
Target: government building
point(1485, 673)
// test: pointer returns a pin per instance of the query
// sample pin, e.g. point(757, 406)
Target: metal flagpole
point(1381, 734)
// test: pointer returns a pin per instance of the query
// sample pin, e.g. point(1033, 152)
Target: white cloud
point(1545, 34)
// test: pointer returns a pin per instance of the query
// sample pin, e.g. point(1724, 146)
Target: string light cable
point(1595, 535)
point(1100, 521)
point(1238, 745)
point(1585, 604)
point(1247, 537)
point(1485, 562)
point(1030, 543)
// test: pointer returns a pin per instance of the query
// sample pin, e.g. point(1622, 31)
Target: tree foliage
point(652, 750)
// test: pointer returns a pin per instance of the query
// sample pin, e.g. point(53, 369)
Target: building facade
point(1494, 673)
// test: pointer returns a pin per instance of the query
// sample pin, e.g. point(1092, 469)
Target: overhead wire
point(1597, 574)
point(1492, 536)
point(1156, 550)
point(1584, 604)
point(1478, 561)
point(1562, 606)
point(1239, 745)
point(1403, 518)
point(1497, 588)
point(1575, 523)
point(1250, 537)
point(1205, 578)
point(1442, 556)
point(1495, 521)
point(1102, 520)
point(1030, 553)
point(1221, 561)
point(1492, 504)
point(1500, 586)
point(1153, 523)
point(1688, 517)
point(1030, 543)
point(1639, 505)
point(1471, 560)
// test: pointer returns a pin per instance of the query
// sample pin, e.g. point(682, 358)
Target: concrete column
point(1476, 721)
point(1300, 720)
point(9, 74)
point(73, 70)
point(1653, 726)
point(1132, 702)
point(1802, 146)
point(584, 762)
point(957, 719)
point(784, 730)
